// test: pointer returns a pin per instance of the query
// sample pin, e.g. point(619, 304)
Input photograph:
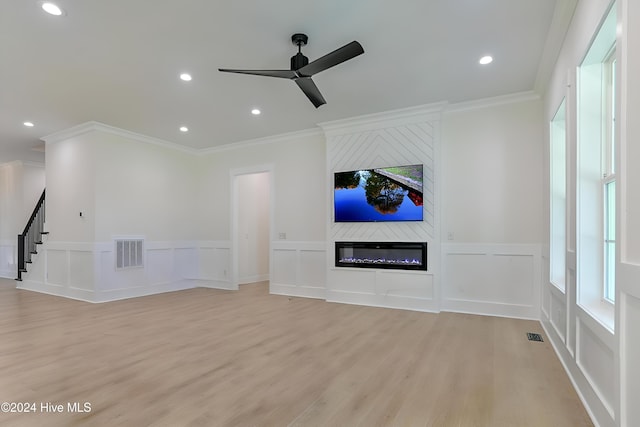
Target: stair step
point(23, 270)
point(37, 243)
point(33, 253)
point(18, 279)
point(44, 232)
point(27, 262)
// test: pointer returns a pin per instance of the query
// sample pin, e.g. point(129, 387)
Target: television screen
point(382, 194)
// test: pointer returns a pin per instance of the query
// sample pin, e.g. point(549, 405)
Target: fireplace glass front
point(391, 255)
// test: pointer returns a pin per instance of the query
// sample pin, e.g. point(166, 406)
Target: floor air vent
point(534, 337)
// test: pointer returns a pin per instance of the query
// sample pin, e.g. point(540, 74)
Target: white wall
point(492, 173)
point(70, 175)
point(298, 162)
point(492, 207)
point(21, 186)
point(125, 185)
point(143, 189)
point(297, 222)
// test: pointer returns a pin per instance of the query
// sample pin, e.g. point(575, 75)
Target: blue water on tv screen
point(385, 194)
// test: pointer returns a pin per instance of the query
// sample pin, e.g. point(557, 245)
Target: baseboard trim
point(426, 305)
point(487, 308)
point(552, 339)
point(297, 291)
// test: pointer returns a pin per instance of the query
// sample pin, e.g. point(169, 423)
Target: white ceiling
point(118, 62)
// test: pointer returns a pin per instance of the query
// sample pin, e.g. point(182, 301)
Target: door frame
point(234, 175)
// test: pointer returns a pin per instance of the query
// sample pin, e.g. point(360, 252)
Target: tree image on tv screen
point(347, 179)
point(379, 194)
point(383, 194)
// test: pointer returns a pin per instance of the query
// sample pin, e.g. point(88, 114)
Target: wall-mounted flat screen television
point(376, 195)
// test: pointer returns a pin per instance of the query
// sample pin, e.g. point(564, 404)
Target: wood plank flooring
point(206, 357)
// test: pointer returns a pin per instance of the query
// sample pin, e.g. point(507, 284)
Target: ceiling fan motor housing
point(298, 61)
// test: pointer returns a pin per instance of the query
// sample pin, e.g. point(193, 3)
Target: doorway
point(251, 226)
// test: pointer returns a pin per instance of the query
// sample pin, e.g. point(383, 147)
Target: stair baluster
point(31, 237)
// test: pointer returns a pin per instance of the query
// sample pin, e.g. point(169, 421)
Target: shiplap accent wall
point(403, 137)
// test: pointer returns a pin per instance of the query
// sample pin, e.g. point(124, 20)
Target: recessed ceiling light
point(184, 129)
point(186, 77)
point(486, 60)
point(256, 112)
point(28, 124)
point(51, 8)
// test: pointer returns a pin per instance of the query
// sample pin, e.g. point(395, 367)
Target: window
point(558, 179)
point(596, 178)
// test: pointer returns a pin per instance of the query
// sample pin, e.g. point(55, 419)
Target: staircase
point(31, 237)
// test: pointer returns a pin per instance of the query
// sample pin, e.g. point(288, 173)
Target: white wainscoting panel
point(81, 270)
point(159, 264)
point(312, 268)
point(558, 311)
point(410, 290)
point(57, 266)
point(284, 266)
point(8, 258)
point(214, 265)
point(595, 359)
point(186, 260)
point(492, 279)
point(298, 268)
point(545, 303)
point(86, 271)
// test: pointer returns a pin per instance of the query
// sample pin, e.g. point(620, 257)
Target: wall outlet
point(450, 235)
point(282, 236)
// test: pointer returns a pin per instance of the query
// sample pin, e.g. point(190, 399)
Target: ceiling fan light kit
point(302, 70)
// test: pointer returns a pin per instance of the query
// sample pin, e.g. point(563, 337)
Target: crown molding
point(285, 137)
point(33, 164)
point(22, 163)
point(492, 102)
point(11, 163)
point(421, 113)
point(94, 126)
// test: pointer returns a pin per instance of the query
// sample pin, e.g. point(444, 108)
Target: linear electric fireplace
point(393, 255)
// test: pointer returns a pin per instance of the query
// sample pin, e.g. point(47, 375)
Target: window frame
point(609, 175)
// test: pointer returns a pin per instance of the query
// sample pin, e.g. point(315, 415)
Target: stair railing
point(30, 237)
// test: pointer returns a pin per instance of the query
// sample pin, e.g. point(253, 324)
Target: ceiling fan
point(302, 70)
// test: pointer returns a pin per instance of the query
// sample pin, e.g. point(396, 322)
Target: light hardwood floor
point(205, 357)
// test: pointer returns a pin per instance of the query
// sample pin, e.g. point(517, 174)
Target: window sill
point(558, 284)
point(601, 311)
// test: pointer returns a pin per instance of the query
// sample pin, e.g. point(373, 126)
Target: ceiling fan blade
point(334, 58)
point(284, 74)
point(311, 90)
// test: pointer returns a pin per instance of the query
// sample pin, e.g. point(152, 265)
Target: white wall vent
point(129, 253)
